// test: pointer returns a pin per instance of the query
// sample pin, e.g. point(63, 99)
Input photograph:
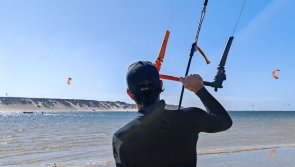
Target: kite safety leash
point(194, 48)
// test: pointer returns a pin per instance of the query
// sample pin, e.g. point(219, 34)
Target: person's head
point(144, 84)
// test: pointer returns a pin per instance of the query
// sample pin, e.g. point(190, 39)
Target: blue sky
point(44, 42)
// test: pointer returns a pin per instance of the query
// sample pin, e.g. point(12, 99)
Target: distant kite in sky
point(274, 74)
point(69, 80)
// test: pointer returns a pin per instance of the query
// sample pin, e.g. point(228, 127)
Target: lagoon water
point(84, 139)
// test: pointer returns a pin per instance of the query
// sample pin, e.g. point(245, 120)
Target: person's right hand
point(193, 82)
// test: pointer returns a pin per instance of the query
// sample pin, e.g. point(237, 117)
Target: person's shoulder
point(184, 110)
point(126, 128)
point(193, 112)
point(191, 109)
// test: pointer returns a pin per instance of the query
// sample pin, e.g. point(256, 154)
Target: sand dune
point(21, 104)
point(46, 104)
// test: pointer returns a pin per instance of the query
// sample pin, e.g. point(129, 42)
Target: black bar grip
point(225, 52)
point(193, 49)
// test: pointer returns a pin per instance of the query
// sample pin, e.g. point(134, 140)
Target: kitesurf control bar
point(220, 76)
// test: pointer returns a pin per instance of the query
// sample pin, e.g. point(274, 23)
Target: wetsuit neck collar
point(158, 105)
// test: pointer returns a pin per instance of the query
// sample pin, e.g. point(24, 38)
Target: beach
point(84, 139)
point(279, 157)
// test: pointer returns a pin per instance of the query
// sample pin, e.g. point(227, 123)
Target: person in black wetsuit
point(159, 137)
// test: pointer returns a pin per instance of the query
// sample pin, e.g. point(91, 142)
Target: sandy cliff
point(44, 104)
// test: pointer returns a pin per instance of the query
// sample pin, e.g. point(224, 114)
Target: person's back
point(167, 138)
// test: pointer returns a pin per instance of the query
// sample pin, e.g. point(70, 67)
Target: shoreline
point(40, 111)
point(243, 149)
point(90, 110)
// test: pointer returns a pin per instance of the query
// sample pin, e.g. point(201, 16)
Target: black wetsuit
point(168, 138)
